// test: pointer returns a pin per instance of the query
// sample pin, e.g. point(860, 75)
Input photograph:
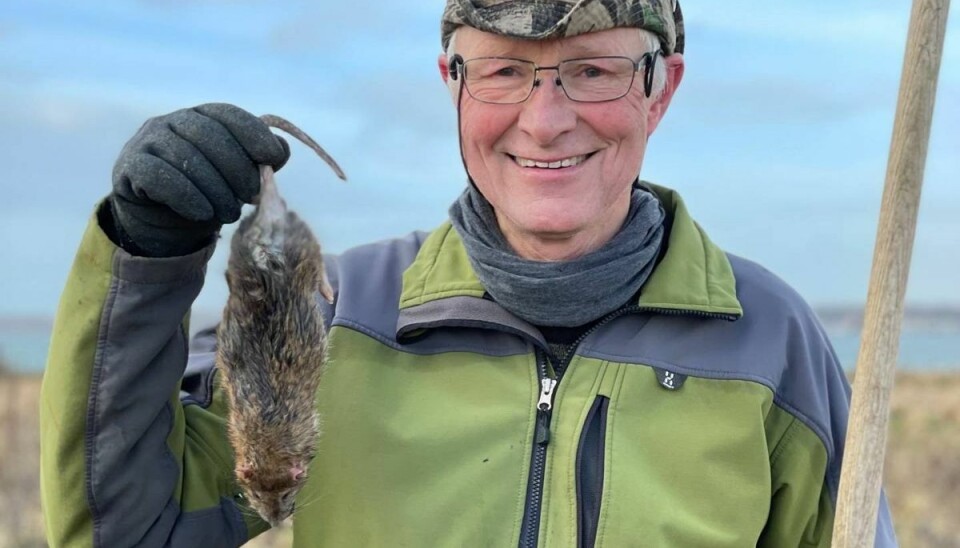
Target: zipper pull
point(542, 436)
point(546, 393)
point(544, 404)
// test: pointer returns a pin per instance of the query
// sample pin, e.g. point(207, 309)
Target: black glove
point(185, 174)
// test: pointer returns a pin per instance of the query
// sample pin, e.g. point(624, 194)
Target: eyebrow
point(572, 51)
point(500, 51)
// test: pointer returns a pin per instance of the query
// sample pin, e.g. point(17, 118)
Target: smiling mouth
point(554, 164)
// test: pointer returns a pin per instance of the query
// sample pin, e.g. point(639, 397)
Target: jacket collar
point(694, 276)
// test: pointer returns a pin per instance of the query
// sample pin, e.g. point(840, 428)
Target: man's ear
point(444, 67)
point(658, 108)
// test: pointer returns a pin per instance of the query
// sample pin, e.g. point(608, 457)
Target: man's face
point(558, 213)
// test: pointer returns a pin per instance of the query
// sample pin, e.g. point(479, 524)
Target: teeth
point(566, 162)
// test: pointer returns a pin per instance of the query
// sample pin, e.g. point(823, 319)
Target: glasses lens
point(497, 80)
point(597, 79)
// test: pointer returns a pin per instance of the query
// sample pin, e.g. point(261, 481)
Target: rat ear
point(325, 288)
point(297, 472)
point(244, 472)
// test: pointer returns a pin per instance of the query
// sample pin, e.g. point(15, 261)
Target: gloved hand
point(185, 174)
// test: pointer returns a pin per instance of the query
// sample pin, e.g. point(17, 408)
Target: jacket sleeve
point(805, 461)
point(801, 511)
point(803, 504)
point(123, 461)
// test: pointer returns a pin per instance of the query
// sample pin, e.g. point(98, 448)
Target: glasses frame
point(457, 68)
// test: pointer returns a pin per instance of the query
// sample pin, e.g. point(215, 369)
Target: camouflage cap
point(543, 19)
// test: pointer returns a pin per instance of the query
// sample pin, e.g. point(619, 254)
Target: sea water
point(25, 350)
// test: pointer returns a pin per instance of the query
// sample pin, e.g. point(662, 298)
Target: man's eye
point(589, 71)
point(594, 72)
point(496, 73)
point(504, 71)
point(496, 70)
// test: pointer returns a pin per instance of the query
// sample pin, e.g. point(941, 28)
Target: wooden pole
point(858, 500)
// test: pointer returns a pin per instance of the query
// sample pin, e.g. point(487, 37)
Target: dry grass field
point(922, 472)
point(922, 467)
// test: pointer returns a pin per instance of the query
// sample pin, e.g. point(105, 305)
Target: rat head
point(271, 483)
point(274, 440)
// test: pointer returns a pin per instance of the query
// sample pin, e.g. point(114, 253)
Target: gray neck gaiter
point(563, 293)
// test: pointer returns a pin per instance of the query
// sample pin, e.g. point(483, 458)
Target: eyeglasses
point(502, 80)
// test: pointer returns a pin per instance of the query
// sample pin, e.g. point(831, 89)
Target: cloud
point(756, 99)
point(181, 3)
point(416, 101)
point(23, 106)
point(390, 29)
point(61, 152)
point(858, 25)
point(64, 117)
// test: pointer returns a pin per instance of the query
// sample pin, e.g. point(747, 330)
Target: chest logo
point(669, 379)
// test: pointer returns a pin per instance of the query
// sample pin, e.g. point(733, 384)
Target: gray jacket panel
point(371, 277)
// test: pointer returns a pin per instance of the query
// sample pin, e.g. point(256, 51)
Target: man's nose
point(547, 113)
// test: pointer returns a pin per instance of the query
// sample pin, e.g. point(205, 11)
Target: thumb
point(286, 153)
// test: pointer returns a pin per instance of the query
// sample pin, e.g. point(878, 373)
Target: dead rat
point(271, 345)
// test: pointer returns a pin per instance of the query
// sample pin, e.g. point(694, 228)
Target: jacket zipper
point(530, 527)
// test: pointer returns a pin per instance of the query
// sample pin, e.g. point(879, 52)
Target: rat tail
point(287, 126)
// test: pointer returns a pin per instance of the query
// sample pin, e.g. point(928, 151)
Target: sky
point(777, 138)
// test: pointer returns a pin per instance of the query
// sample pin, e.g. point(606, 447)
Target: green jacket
point(710, 413)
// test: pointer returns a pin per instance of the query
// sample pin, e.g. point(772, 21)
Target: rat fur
point(272, 345)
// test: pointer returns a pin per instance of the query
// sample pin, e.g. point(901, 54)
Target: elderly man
point(569, 361)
